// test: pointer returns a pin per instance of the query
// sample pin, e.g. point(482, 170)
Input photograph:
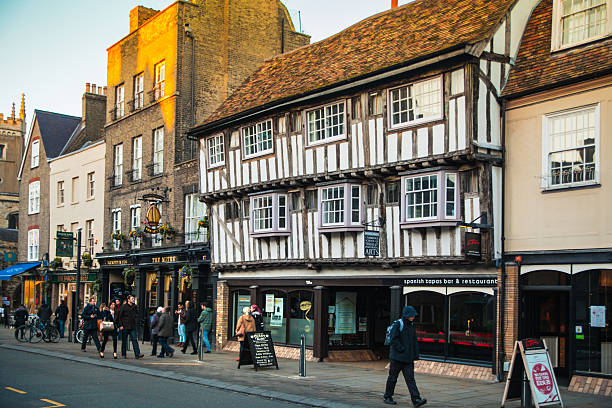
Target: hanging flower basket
point(203, 223)
point(167, 230)
point(129, 275)
point(86, 258)
point(96, 287)
point(137, 233)
point(186, 272)
point(117, 236)
point(56, 263)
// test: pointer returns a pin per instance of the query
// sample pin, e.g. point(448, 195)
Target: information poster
point(269, 303)
point(346, 312)
point(541, 373)
point(598, 316)
point(243, 300)
point(276, 320)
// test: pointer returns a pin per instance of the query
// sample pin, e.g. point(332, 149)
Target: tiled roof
point(537, 68)
point(384, 41)
point(55, 130)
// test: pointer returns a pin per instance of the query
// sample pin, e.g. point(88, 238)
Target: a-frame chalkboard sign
point(259, 350)
point(531, 358)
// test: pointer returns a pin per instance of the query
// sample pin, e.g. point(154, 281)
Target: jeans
point(105, 339)
point(60, 326)
point(94, 336)
point(189, 339)
point(154, 339)
point(205, 339)
point(165, 348)
point(407, 370)
point(181, 332)
point(134, 337)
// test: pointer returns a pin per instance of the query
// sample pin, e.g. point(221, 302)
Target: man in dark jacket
point(165, 327)
point(404, 350)
point(44, 312)
point(21, 316)
point(191, 327)
point(126, 319)
point(61, 315)
point(155, 329)
point(90, 327)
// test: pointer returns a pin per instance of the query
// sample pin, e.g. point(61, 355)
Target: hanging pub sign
point(371, 243)
point(64, 244)
point(472, 245)
point(531, 376)
point(153, 215)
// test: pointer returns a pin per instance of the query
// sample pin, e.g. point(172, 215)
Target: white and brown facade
point(321, 146)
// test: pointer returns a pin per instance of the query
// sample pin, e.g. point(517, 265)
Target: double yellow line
point(55, 404)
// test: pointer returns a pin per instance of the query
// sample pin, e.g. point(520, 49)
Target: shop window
point(593, 297)
point(301, 317)
point(430, 327)
point(275, 320)
point(545, 278)
point(347, 319)
point(472, 320)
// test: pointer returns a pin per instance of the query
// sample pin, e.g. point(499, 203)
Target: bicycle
point(26, 331)
point(35, 331)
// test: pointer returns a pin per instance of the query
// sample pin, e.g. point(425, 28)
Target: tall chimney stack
point(393, 4)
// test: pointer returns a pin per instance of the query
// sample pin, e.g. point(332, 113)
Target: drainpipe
point(502, 295)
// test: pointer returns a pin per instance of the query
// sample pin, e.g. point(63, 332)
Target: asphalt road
point(30, 380)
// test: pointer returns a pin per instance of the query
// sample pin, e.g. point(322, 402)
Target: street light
point(75, 312)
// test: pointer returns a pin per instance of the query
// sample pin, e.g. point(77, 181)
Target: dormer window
point(579, 21)
point(257, 139)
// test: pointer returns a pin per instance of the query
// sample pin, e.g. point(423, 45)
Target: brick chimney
point(138, 16)
point(94, 110)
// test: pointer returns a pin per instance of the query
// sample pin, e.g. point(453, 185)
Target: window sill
point(90, 198)
point(341, 228)
point(74, 203)
point(258, 156)
point(549, 190)
point(430, 223)
point(410, 125)
point(329, 140)
point(155, 176)
point(270, 234)
point(216, 166)
point(568, 47)
point(60, 205)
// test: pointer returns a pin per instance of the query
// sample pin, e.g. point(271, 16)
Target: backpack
point(388, 338)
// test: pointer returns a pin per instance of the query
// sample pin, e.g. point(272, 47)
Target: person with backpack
point(404, 350)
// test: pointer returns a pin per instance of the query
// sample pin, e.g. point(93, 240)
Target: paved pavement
point(326, 384)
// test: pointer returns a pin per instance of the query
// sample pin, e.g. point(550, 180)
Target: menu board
point(261, 349)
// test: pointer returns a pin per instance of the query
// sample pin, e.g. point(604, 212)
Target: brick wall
point(511, 307)
point(222, 313)
point(591, 385)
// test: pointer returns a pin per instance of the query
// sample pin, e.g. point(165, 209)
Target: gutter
point(460, 49)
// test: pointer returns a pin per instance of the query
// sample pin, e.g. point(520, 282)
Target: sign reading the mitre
point(153, 215)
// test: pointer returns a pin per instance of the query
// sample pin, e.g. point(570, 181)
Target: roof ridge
point(57, 114)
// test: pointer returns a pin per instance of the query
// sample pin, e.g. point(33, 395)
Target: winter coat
point(61, 312)
point(404, 346)
point(21, 316)
point(259, 323)
point(205, 319)
point(44, 312)
point(191, 321)
point(155, 323)
point(127, 316)
point(249, 325)
point(91, 323)
point(164, 326)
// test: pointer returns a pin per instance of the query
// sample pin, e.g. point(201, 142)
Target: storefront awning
point(11, 271)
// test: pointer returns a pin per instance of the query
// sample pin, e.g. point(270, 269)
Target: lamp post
point(75, 313)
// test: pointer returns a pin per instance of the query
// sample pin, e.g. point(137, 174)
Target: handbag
point(107, 326)
point(240, 331)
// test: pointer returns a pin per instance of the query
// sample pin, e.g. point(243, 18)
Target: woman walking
point(245, 324)
point(108, 315)
point(155, 329)
point(180, 313)
point(191, 327)
point(256, 313)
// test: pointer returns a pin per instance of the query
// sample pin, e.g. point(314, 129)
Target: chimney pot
point(104, 91)
point(87, 87)
point(393, 4)
point(93, 88)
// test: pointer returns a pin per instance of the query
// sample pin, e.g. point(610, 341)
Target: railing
point(115, 180)
point(155, 169)
point(134, 175)
point(157, 92)
point(200, 236)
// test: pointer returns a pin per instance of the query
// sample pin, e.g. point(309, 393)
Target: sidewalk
point(326, 384)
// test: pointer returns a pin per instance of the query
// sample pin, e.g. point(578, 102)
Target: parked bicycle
point(34, 331)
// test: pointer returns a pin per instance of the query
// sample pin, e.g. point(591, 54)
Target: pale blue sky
point(51, 48)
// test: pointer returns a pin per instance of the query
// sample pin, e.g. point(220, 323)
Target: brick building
point(12, 132)
point(172, 70)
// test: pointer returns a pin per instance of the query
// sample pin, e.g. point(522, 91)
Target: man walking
point(164, 331)
point(21, 316)
point(205, 321)
point(61, 314)
point(191, 326)
point(90, 328)
point(44, 313)
point(404, 350)
point(126, 320)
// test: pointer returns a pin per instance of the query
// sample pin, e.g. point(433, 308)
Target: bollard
point(200, 341)
point(302, 355)
point(70, 328)
point(525, 392)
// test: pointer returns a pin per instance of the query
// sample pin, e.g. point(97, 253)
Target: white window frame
point(160, 80)
point(35, 153)
point(135, 223)
point(351, 205)
point(417, 121)
point(89, 236)
point(116, 226)
point(34, 197)
point(119, 101)
point(195, 210)
point(547, 147)
point(441, 217)
point(557, 27)
point(215, 147)
point(137, 158)
point(158, 151)
point(274, 205)
point(324, 120)
point(257, 139)
point(139, 91)
point(118, 164)
point(60, 193)
point(33, 244)
point(91, 185)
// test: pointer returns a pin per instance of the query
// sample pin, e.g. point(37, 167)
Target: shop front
point(62, 286)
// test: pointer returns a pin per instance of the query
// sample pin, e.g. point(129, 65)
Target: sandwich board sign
point(530, 359)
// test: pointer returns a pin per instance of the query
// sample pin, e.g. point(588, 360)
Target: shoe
point(193, 352)
point(419, 402)
point(160, 356)
point(115, 356)
point(83, 350)
point(101, 354)
point(389, 400)
point(171, 354)
point(153, 354)
point(237, 358)
point(182, 351)
point(139, 356)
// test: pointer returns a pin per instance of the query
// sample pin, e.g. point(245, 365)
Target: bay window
point(326, 124)
point(416, 103)
point(257, 139)
point(340, 206)
point(430, 199)
point(269, 214)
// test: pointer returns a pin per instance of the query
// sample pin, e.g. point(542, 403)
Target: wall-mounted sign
point(269, 303)
point(64, 244)
point(371, 243)
point(110, 262)
point(472, 245)
point(464, 281)
point(71, 277)
point(153, 215)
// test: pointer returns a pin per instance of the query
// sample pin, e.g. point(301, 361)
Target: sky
point(51, 48)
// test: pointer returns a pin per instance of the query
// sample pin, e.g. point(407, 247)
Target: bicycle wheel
point(23, 333)
point(79, 336)
point(36, 335)
point(52, 334)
